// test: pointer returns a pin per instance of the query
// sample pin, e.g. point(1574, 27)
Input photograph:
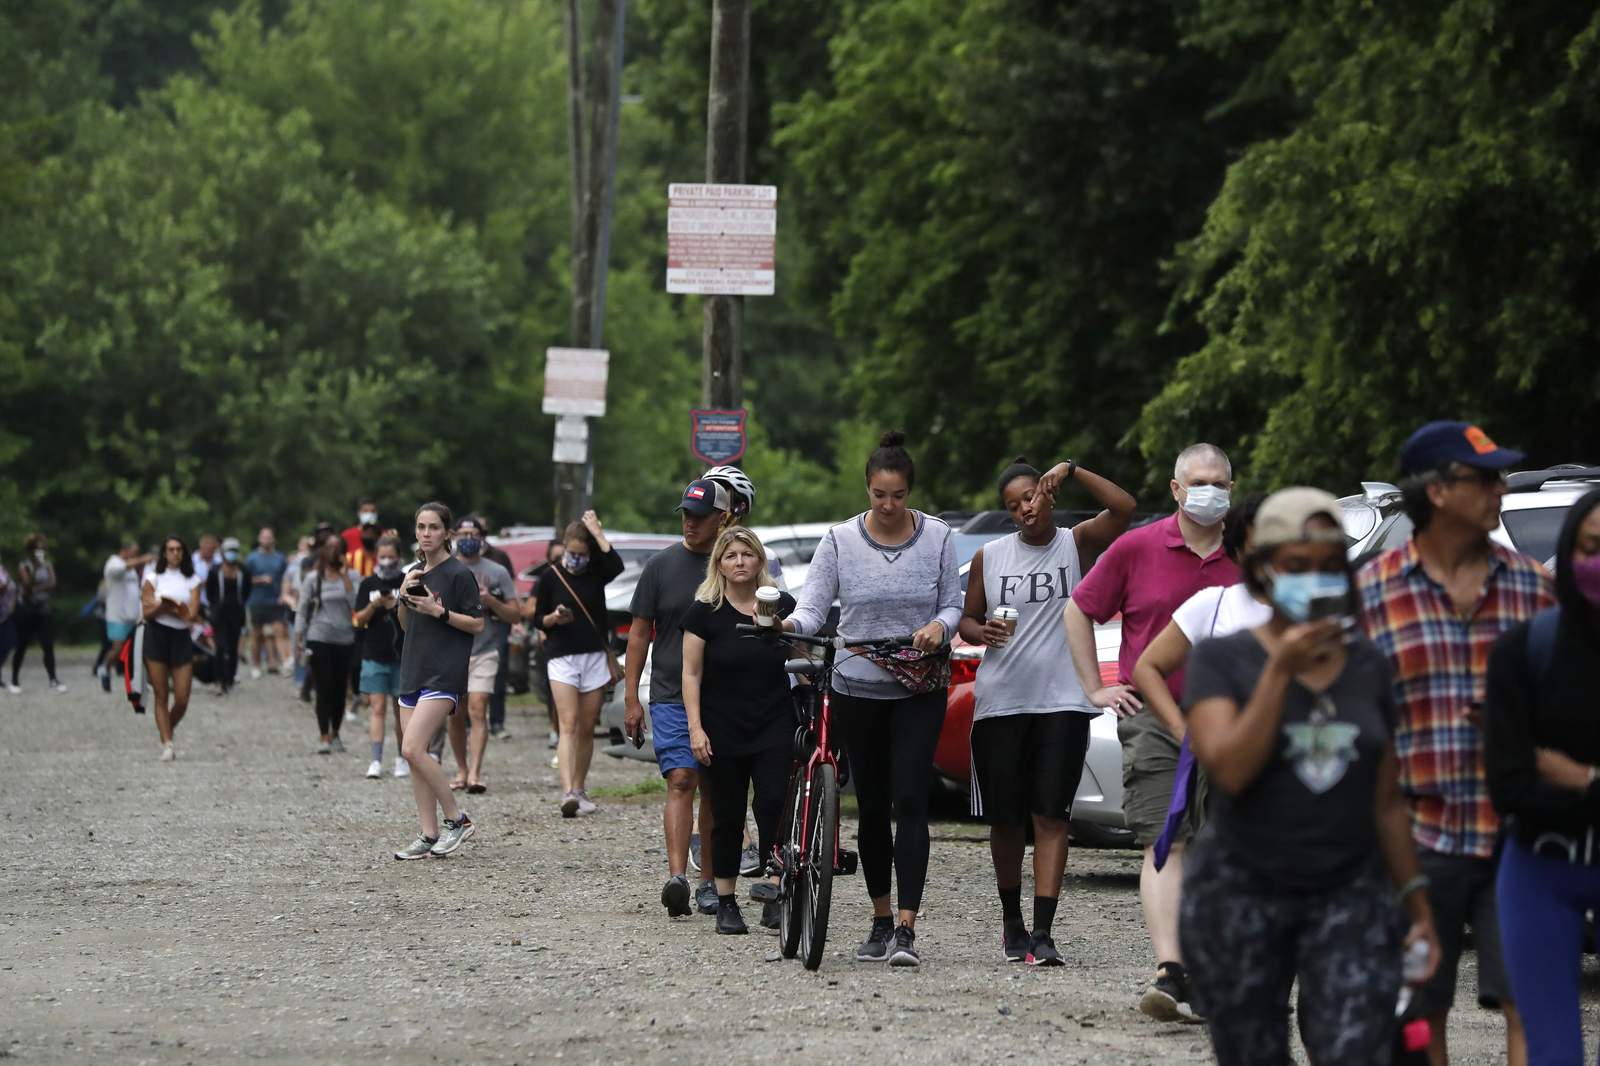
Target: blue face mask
point(1293, 594)
point(230, 556)
point(575, 563)
point(469, 545)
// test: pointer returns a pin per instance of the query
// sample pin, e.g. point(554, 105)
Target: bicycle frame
point(822, 753)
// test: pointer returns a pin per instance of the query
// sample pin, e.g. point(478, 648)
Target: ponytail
point(891, 456)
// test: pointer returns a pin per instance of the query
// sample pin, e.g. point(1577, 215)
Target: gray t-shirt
point(332, 621)
point(497, 579)
point(1033, 672)
point(1306, 821)
point(664, 594)
point(884, 590)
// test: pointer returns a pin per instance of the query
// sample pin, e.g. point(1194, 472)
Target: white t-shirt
point(171, 585)
point(122, 591)
point(1219, 612)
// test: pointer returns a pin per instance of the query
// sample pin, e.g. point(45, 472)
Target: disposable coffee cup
point(1006, 616)
point(375, 595)
point(767, 605)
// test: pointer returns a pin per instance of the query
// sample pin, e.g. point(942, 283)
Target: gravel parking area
point(241, 904)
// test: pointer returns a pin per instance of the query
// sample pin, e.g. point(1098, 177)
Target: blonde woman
point(741, 721)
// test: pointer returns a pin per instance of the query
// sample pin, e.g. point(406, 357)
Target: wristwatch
point(1072, 468)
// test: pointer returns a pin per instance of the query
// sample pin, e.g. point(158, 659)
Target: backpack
point(1542, 643)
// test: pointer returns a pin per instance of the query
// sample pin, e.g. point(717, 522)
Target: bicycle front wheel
point(817, 882)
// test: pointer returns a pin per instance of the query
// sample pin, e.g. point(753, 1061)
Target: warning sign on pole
point(575, 381)
point(722, 239)
point(717, 436)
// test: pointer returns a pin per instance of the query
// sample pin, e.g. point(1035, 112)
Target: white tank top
point(1033, 673)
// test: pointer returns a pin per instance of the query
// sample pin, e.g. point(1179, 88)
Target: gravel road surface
point(241, 904)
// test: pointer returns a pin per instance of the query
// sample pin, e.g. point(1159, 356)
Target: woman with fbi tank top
point(1030, 728)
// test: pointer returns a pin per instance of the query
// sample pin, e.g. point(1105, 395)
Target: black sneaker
point(729, 921)
point(1042, 951)
point(764, 892)
point(706, 898)
point(1014, 941)
point(675, 897)
point(1167, 999)
point(876, 947)
point(770, 916)
point(905, 951)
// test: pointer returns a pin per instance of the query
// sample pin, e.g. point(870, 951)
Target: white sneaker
point(15, 690)
point(375, 769)
point(167, 754)
point(56, 686)
point(401, 767)
point(586, 806)
point(255, 673)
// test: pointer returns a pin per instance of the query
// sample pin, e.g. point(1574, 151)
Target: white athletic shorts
point(586, 672)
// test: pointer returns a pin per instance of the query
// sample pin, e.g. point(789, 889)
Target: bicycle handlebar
point(838, 642)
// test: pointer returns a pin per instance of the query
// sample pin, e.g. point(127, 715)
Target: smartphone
point(1323, 608)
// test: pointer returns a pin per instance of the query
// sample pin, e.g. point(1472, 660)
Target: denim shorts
point(669, 733)
point(379, 678)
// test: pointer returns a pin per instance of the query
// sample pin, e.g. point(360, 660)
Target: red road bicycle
point(807, 854)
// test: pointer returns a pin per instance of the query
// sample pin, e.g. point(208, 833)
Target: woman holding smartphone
point(170, 602)
point(380, 642)
point(326, 625)
point(440, 612)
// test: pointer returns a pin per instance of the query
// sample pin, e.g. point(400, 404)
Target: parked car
point(1531, 513)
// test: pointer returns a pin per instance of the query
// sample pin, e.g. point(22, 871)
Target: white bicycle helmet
point(738, 484)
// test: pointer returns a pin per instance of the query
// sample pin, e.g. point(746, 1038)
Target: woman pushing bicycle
point(741, 716)
point(893, 571)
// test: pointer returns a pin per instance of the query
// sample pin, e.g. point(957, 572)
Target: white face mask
point(369, 518)
point(1206, 504)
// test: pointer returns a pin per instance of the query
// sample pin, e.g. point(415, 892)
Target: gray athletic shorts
point(1461, 892)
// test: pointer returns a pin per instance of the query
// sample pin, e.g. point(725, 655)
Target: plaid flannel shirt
point(1439, 661)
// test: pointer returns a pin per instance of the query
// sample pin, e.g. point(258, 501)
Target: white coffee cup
point(767, 605)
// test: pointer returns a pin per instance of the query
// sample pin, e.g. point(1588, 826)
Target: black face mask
point(388, 571)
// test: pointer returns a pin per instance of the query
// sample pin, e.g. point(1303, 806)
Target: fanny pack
point(916, 671)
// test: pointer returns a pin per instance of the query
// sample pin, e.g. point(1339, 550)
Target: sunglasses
point(1484, 478)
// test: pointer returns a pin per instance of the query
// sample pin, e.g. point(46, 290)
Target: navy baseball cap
point(1438, 443)
point(704, 497)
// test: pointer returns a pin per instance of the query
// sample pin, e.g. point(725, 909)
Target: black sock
point(1011, 905)
point(1044, 912)
point(727, 901)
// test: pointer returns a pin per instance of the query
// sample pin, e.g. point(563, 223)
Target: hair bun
point(1021, 460)
point(892, 438)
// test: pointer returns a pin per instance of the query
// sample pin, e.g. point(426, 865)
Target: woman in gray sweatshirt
point(325, 622)
point(893, 571)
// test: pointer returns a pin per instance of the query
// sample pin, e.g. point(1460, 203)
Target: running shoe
point(56, 686)
point(569, 805)
point(749, 861)
point(336, 744)
point(1167, 998)
point(876, 947)
point(555, 738)
point(255, 673)
point(455, 834)
point(705, 898)
point(764, 892)
point(419, 848)
point(1042, 951)
point(729, 921)
point(323, 747)
point(770, 914)
point(694, 853)
point(167, 753)
point(675, 897)
point(14, 688)
point(1014, 942)
point(375, 769)
point(905, 948)
point(104, 674)
point(586, 806)
point(401, 767)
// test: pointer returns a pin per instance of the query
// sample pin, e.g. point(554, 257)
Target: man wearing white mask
point(1144, 576)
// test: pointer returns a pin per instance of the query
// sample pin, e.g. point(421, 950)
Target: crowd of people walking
point(1333, 774)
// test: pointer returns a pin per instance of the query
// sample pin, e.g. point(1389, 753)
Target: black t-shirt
point(225, 596)
point(578, 636)
point(744, 694)
point(1306, 822)
point(665, 592)
point(381, 640)
point(435, 653)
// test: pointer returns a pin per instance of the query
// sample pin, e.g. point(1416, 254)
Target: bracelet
point(1418, 882)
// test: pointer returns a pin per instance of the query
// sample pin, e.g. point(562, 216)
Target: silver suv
point(1531, 514)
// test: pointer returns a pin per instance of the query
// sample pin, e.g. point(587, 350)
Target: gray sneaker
point(453, 836)
point(750, 861)
point(337, 745)
point(705, 898)
point(417, 849)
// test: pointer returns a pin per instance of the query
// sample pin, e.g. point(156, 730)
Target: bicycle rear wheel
point(790, 851)
point(816, 886)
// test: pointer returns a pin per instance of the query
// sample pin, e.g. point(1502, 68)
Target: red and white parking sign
point(722, 239)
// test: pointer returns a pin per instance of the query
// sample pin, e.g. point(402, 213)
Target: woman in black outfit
point(741, 720)
point(570, 609)
point(1542, 751)
point(227, 587)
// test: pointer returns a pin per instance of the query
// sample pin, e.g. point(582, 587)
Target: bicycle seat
point(802, 668)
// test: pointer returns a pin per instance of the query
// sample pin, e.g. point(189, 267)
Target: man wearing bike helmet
point(742, 495)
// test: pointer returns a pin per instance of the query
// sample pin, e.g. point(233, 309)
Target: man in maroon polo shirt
point(1144, 576)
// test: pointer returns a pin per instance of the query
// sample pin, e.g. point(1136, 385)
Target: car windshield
point(1535, 530)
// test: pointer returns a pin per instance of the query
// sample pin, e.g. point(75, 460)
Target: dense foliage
point(265, 255)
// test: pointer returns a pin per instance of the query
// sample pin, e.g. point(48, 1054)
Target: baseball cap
point(1438, 443)
point(1283, 516)
point(230, 544)
point(703, 497)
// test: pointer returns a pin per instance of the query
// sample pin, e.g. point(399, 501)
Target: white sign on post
point(575, 381)
point(572, 440)
point(722, 239)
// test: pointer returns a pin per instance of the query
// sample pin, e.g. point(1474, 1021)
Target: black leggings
point(330, 673)
point(34, 624)
point(227, 627)
point(731, 777)
point(890, 744)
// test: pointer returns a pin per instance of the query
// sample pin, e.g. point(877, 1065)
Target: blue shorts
point(409, 700)
point(119, 630)
point(379, 678)
point(669, 733)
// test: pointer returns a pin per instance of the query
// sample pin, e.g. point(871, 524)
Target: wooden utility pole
point(727, 127)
